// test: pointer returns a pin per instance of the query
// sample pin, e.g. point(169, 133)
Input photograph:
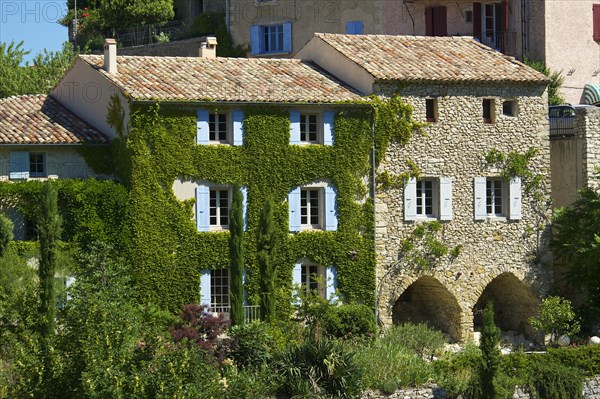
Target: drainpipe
point(228, 15)
point(527, 27)
point(373, 192)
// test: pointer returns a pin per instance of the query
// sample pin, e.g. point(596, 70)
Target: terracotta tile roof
point(224, 79)
point(430, 59)
point(39, 119)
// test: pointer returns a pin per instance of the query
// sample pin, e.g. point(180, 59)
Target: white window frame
point(421, 208)
point(217, 208)
point(220, 291)
point(491, 200)
point(228, 127)
point(318, 125)
point(320, 192)
point(510, 201)
point(312, 281)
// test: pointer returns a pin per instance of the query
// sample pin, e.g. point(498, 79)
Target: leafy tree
point(266, 244)
point(490, 357)
point(556, 317)
point(556, 81)
point(6, 233)
point(236, 256)
point(577, 243)
point(39, 77)
point(49, 226)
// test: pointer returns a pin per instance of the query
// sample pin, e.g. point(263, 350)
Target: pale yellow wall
point(61, 161)
point(86, 93)
point(337, 65)
point(569, 45)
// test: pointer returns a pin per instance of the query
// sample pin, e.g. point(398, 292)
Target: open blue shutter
point(244, 191)
point(294, 205)
point(203, 208)
point(294, 127)
point(328, 120)
point(287, 37)
point(514, 196)
point(410, 199)
point(445, 198)
point(297, 281)
point(238, 127)
point(331, 220)
point(354, 27)
point(205, 288)
point(480, 198)
point(19, 165)
point(331, 283)
point(202, 126)
point(256, 39)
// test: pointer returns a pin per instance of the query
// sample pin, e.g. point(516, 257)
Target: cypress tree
point(6, 233)
point(49, 226)
point(236, 256)
point(265, 246)
point(490, 358)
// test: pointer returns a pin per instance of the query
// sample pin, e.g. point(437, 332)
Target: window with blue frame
point(265, 39)
point(354, 27)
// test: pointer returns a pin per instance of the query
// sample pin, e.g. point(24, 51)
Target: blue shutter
point(287, 37)
point(331, 220)
point(354, 27)
point(294, 127)
point(294, 205)
point(205, 298)
point(331, 283)
point(19, 165)
point(203, 208)
point(514, 196)
point(202, 126)
point(328, 120)
point(297, 281)
point(238, 125)
point(480, 198)
point(410, 199)
point(445, 198)
point(256, 39)
point(69, 281)
point(244, 191)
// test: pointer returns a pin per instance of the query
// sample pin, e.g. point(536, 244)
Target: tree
point(577, 243)
point(236, 256)
point(39, 77)
point(556, 81)
point(556, 317)
point(6, 233)
point(49, 226)
point(265, 247)
point(490, 357)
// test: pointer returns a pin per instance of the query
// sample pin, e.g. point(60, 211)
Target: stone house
point(41, 139)
point(501, 229)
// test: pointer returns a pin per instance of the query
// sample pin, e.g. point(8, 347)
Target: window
point(354, 28)
point(428, 198)
point(313, 207)
point(219, 290)
point(596, 21)
point(212, 207)
point(431, 109)
point(37, 165)
point(488, 111)
point(311, 127)
point(509, 108)
point(265, 39)
point(468, 16)
point(436, 21)
point(308, 128)
point(219, 127)
point(317, 279)
point(25, 164)
point(495, 197)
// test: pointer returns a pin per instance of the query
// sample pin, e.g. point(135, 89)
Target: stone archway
point(514, 303)
point(428, 301)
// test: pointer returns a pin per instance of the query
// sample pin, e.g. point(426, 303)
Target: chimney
point(110, 55)
point(208, 47)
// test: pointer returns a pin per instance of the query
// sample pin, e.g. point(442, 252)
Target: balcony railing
point(562, 126)
point(251, 313)
point(496, 40)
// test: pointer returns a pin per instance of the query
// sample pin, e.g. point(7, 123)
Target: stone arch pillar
point(428, 301)
point(514, 303)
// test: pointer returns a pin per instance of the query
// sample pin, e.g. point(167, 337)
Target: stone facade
point(501, 259)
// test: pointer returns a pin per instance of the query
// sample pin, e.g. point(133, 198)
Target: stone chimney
point(110, 55)
point(208, 47)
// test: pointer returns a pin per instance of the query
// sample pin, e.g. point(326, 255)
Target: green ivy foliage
point(168, 253)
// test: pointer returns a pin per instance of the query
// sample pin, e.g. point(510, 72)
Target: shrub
point(550, 380)
point(418, 338)
point(586, 358)
point(556, 317)
point(349, 321)
point(6, 233)
point(320, 367)
point(251, 345)
point(248, 384)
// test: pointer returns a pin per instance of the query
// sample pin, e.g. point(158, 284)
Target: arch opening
point(428, 301)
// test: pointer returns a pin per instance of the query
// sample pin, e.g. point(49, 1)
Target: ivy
point(423, 249)
point(386, 181)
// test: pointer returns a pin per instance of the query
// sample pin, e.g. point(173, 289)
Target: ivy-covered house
point(187, 130)
point(462, 208)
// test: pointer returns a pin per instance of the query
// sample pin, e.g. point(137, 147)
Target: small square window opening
point(509, 108)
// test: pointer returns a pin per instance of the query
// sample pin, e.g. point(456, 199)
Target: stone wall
point(503, 260)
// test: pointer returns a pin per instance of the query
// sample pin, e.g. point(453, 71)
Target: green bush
point(550, 380)
point(349, 321)
point(586, 358)
point(6, 233)
point(556, 317)
point(248, 384)
point(418, 338)
point(252, 345)
point(320, 367)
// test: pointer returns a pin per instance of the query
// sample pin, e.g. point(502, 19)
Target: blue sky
point(35, 22)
